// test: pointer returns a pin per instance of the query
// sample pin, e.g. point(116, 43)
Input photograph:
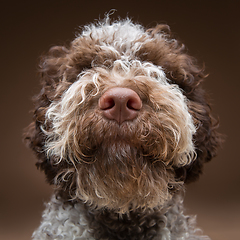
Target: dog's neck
point(138, 224)
point(147, 224)
point(74, 219)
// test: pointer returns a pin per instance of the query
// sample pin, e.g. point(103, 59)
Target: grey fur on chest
point(73, 222)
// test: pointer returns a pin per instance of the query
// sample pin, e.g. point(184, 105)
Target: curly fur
point(74, 221)
point(109, 176)
point(77, 136)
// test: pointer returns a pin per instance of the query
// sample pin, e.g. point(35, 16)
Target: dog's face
point(121, 121)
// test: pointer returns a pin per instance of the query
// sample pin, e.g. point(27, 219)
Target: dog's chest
point(75, 221)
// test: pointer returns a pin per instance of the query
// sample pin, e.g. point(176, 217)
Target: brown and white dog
point(120, 125)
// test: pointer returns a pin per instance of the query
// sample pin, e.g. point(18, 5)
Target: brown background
point(210, 29)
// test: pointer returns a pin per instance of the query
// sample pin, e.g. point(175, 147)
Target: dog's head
point(122, 121)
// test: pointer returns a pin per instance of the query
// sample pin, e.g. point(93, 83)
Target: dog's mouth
point(109, 136)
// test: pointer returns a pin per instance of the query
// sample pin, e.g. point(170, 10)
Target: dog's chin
point(127, 195)
point(121, 178)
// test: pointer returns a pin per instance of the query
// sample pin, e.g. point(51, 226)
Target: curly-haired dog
point(120, 125)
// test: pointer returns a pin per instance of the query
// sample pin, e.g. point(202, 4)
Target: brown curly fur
point(178, 67)
point(60, 69)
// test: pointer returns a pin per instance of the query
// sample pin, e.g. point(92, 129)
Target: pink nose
point(120, 104)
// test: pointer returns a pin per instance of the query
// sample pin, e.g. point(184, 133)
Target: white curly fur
point(63, 222)
point(124, 33)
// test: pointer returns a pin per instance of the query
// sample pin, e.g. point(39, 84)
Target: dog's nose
point(120, 104)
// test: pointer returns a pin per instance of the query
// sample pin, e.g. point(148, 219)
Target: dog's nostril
point(120, 104)
point(109, 103)
point(133, 104)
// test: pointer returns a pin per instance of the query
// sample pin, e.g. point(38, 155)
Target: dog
point(120, 126)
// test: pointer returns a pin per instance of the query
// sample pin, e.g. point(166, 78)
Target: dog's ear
point(206, 139)
point(52, 68)
point(58, 69)
point(186, 73)
point(181, 69)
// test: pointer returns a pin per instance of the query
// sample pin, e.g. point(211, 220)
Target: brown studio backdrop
point(28, 29)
